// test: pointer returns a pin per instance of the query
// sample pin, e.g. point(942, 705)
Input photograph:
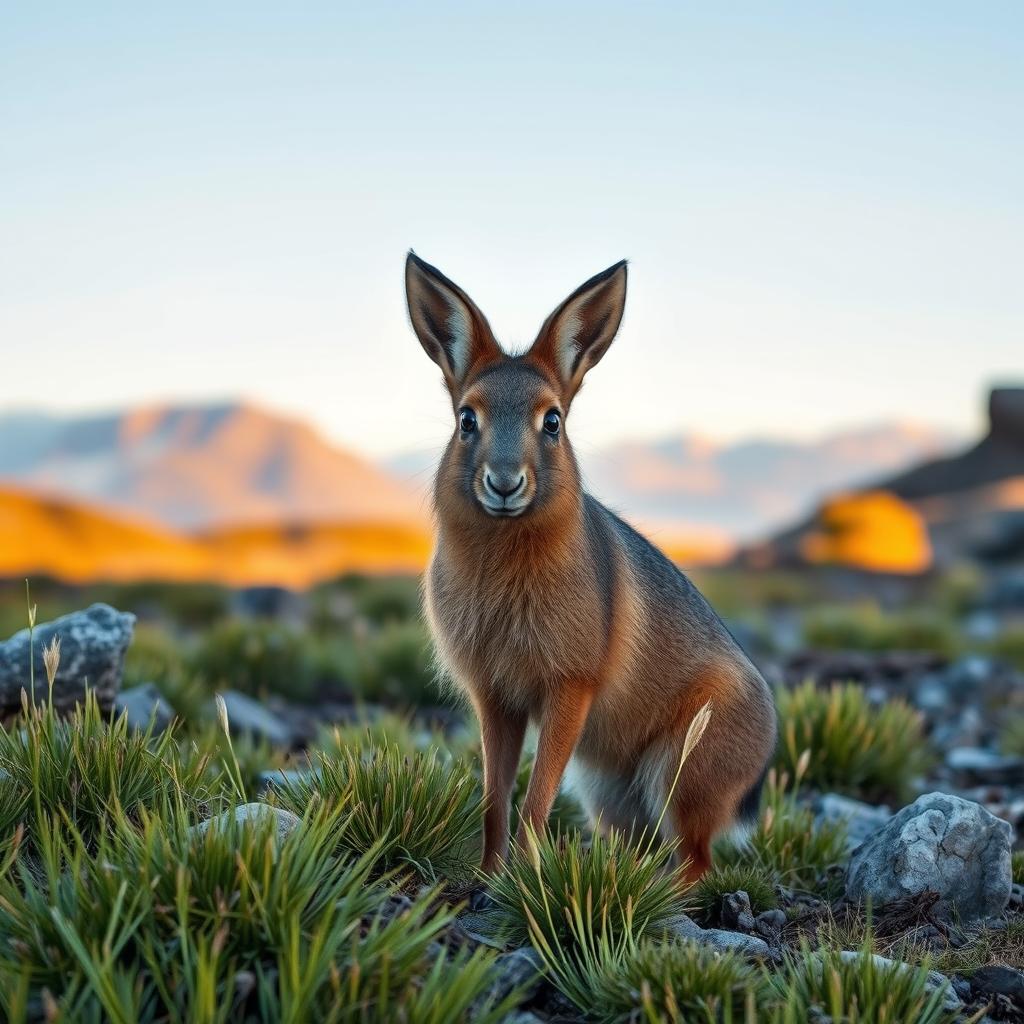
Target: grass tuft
point(414, 810)
point(787, 843)
point(872, 752)
point(756, 880)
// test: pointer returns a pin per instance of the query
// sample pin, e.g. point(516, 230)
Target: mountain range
point(235, 492)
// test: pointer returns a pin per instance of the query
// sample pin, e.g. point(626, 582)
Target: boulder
point(247, 716)
point(942, 844)
point(92, 647)
point(143, 704)
point(999, 980)
point(285, 820)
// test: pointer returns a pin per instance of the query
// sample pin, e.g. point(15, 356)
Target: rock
point(997, 980)
point(92, 647)
point(521, 969)
point(769, 924)
point(249, 717)
point(746, 945)
point(486, 928)
point(950, 1002)
point(683, 928)
point(862, 820)
point(940, 843)
point(985, 767)
point(736, 912)
point(286, 821)
point(142, 704)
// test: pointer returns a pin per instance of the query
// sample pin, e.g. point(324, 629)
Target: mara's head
point(509, 456)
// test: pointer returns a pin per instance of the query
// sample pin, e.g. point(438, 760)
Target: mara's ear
point(578, 333)
point(454, 333)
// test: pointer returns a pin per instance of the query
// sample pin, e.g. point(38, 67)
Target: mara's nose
point(504, 483)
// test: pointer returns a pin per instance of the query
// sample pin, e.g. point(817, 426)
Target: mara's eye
point(467, 421)
point(552, 422)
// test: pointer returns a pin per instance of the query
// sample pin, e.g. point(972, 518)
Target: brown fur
point(546, 608)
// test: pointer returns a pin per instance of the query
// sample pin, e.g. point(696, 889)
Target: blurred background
point(213, 412)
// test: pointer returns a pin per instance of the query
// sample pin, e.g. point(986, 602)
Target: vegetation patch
point(413, 811)
point(873, 752)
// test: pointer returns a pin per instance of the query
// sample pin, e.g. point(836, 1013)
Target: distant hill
point(969, 505)
point(76, 543)
point(200, 467)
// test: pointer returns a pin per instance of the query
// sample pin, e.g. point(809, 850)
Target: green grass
point(394, 666)
point(557, 884)
point(666, 981)
point(756, 880)
point(857, 990)
point(787, 844)
point(415, 811)
point(82, 769)
point(851, 746)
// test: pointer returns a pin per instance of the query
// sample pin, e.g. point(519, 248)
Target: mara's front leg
point(561, 723)
point(501, 733)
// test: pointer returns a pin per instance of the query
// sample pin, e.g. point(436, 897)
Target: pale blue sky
point(822, 203)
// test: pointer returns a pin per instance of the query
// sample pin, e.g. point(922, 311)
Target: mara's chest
point(519, 631)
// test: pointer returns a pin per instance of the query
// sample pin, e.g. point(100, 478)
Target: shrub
point(787, 843)
point(414, 811)
point(757, 881)
point(394, 666)
point(557, 890)
point(81, 768)
point(666, 981)
point(154, 656)
point(1009, 646)
point(866, 627)
point(871, 752)
point(857, 988)
point(255, 657)
point(388, 599)
point(1011, 735)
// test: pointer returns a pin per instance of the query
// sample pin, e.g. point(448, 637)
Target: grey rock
point(521, 970)
point(683, 928)
point(142, 704)
point(521, 1017)
point(92, 647)
point(995, 979)
point(769, 924)
point(736, 912)
point(286, 821)
point(487, 928)
point(862, 820)
point(940, 843)
point(985, 767)
point(935, 981)
point(746, 945)
point(249, 717)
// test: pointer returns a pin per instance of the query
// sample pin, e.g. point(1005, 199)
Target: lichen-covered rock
point(92, 647)
point(940, 843)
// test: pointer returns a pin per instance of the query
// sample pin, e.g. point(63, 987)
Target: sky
point(821, 203)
